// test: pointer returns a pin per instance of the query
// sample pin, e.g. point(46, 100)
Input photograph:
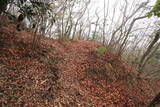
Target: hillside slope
point(65, 75)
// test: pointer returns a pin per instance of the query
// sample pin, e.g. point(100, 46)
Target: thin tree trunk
point(145, 62)
point(127, 34)
point(155, 101)
point(157, 36)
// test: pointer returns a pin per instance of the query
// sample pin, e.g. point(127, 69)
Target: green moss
point(100, 50)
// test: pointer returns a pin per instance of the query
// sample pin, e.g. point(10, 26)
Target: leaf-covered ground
point(68, 74)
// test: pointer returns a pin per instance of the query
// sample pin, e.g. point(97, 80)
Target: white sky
point(98, 5)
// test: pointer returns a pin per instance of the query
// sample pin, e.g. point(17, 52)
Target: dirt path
point(71, 71)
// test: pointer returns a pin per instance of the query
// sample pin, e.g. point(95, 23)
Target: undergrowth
point(100, 50)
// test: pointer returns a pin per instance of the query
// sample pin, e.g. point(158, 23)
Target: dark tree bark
point(155, 102)
point(157, 36)
point(152, 53)
point(3, 5)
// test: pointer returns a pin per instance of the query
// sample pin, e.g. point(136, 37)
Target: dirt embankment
point(65, 75)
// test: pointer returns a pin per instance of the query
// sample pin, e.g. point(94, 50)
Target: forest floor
point(68, 74)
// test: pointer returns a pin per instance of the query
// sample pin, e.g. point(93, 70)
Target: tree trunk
point(155, 102)
point(127, 34)
point(157, 36)
point(3, 5)
point(147, 59)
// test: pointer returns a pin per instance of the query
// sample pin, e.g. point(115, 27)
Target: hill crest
point(65, 75)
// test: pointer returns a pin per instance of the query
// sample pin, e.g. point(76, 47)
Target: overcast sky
point(98, 5)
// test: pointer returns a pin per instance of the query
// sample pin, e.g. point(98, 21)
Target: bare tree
point(148, 51)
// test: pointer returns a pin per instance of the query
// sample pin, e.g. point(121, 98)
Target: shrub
point(100, 50)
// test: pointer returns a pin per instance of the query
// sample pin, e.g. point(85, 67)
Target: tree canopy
point(156, 10)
